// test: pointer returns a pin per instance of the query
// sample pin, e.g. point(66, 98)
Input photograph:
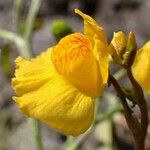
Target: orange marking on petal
point(73, 58)
point(70, 48)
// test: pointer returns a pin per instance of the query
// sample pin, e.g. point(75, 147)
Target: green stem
point(23, 48)
point(36, 133)
point(21, 44)
point(16, 11)
point(34, 8)
point(108, 114)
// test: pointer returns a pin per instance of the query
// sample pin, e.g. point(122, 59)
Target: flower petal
point(141, 67)
point(118, 44)
point(73, 58)
point(31, 75)
point(97, 36)
point(91, 28)
point(51, 99)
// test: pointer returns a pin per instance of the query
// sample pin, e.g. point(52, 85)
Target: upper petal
point(73, 58)
point(91, 28)
point(52, 99)
point(97, 36)
point(141, 67)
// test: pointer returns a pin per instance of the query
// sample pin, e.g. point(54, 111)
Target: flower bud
point(130, 52)
point(123, 48)
point(117, 46)
point(131, 43)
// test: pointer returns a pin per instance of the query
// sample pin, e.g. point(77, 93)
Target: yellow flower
point(58, 86)
point(141, 67)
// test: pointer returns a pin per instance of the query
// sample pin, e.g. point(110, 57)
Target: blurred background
point(110, 132)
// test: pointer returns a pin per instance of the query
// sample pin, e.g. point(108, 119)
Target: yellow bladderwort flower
point(58, 86)
point(141, 67)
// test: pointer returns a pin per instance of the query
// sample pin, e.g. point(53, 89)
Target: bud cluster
point(123, 48)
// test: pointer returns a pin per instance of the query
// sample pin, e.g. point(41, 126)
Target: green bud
point(129, 55)
point(60, 28)
point(123, 48)
point(131, 43)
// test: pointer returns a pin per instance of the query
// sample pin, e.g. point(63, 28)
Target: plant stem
point(23, 48)
point(36, 133)
point(141, 102)
point(16, 11)
point(34, 8)
point(108, 114)
point(139, 144)
point(21, 44)
point(120, 93)
point(132, 121)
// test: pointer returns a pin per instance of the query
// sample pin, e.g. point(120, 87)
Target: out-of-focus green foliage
point(4, 58)
point(60, 28)
point(37, 25)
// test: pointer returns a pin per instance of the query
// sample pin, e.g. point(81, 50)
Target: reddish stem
point(137, 128)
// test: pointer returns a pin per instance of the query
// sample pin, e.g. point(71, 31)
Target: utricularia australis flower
point(58, 87)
